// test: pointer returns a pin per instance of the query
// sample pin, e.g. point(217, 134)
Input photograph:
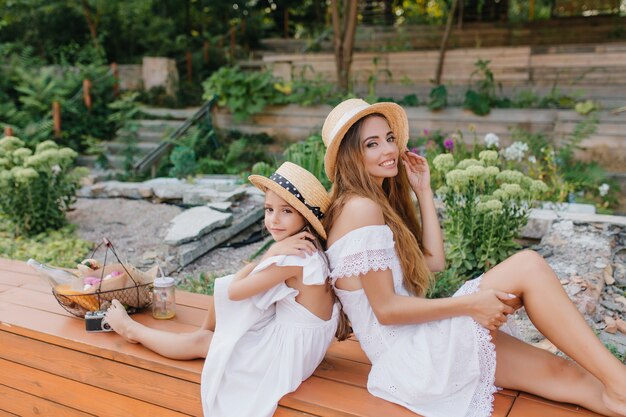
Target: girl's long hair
point(394, 199)
point(343, 328)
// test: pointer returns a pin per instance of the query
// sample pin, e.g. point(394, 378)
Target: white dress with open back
point(443, 368)
point(265, 346)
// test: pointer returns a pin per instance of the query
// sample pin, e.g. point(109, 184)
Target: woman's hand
point(298, 244)
point(488, 309)
point(417, 172)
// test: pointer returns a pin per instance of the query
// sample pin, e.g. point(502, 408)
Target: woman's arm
point(486, 307)
point(419, 177)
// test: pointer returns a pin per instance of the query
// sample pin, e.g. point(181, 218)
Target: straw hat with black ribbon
point(300, 189)
point(346, 114)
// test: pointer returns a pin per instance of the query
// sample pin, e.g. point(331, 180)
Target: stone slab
point(195, 223)
point(189, 252)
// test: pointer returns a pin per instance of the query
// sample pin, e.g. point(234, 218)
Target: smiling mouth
point(388, 164)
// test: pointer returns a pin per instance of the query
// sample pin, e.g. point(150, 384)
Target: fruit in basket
point(88, 302)
point(87, 266)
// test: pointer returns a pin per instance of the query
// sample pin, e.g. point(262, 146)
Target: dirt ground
point(137, 229)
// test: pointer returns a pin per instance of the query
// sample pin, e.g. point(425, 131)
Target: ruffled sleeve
point(369, 248)
point(314, 272)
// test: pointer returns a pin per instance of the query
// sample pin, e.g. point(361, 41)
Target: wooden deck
point(50, 366)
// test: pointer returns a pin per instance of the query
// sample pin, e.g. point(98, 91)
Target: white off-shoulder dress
point(265, 346)
point(443, 368)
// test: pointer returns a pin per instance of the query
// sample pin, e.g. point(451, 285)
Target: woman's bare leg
point(180, 346)
point(521, 366)
point(529, 276)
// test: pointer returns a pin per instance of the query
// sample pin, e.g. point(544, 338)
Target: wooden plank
point(26, 405)
point(290, 412)
point(7, 414)
point(69, 332)
point(165, 391)
point(74, 394)
point(530, 406)
point(329, 398)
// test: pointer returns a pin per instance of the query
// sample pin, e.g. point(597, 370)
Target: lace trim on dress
point(482, 400)
point(363, 262)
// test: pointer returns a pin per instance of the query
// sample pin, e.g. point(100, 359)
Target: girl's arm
point(419, 177)
point(245, 284)
point(261, 281)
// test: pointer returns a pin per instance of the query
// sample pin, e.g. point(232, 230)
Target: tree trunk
point(344, 28)
point(91, 23)
point(444, 42)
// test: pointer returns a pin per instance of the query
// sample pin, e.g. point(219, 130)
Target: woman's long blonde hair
point(394, 199)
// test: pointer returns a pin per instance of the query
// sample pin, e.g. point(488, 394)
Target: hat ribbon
point(287, 185)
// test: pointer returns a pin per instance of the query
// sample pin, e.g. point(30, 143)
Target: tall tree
point(444, 42)
point(344, 28)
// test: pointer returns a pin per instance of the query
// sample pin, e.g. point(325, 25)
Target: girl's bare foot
point(614, 401)
point(120, 321)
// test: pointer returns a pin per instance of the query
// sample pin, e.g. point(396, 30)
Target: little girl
point(271, 323)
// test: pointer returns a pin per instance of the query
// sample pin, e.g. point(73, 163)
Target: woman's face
point(281, 219)
point(379, 148)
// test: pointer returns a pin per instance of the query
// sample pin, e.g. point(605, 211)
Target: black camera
point(95, 321)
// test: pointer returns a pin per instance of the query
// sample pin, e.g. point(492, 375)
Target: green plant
point(481, 100)
point(183, 160)
point(57, 247)
point(310, 156)
point(243, 93)
point(203, 285)
point(485, 208)
point(438, 97)
point(36, 189)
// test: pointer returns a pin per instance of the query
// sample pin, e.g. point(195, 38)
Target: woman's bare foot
point(120, 321)
point(614, 401)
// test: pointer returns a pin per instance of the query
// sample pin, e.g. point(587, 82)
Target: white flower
point(491, 139)
point(56, 169)
point(532, 159)
point(603, 189)
point(516, 151)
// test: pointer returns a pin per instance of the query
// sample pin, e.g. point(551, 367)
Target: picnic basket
point(133, 288)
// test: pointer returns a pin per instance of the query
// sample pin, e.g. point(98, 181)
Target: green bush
point(485, 208)
point(36, 189)
point(310, 156)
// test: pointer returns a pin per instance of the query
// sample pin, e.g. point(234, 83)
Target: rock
point(564, 281)
point(621, 299)
point(573, 289)
point(619, 273)
point(149, 255)
point(608, 275)
point(195, 223)
point(167, 189)
point(131, 190)
point(545, 344)
point(189, 252)
point(611, 328)
point(621, 325)
point(611, 305)
point(221, 206)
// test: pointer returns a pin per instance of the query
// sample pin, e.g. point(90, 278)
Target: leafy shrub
point(57, 247)
point(438, 98)
point(310, 156)
point(485, 208)
point(36, 189)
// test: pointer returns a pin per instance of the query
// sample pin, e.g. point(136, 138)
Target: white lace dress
point(443, 368)
point(265, 346)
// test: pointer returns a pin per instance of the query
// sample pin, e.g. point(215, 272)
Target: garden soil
point(137, 229)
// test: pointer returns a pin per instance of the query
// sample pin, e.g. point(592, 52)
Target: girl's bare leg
point(180, 346)
point(521, 366)
point(529, 276)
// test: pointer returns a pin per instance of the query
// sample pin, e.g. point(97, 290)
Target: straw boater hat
point(300, 189)
point(347, 113)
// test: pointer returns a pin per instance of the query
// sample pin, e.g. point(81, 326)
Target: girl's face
point(281, 219)
point(379, 148)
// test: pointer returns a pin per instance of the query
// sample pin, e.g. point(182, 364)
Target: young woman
point(272, 322)
point(442, 357)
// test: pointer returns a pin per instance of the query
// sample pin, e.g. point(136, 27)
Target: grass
point(62, 248)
